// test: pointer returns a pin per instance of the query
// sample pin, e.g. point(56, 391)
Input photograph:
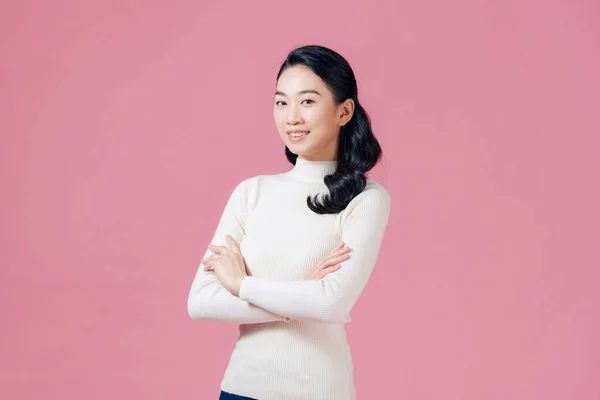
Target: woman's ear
point(346, 110)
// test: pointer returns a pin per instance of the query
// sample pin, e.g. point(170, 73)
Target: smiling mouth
point(297, 136)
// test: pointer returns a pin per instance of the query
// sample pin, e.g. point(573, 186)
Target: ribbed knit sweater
point(292, 342)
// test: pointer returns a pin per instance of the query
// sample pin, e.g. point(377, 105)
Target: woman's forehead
point(297, 81)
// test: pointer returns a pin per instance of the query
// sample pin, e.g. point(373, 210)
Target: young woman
point(293, 251)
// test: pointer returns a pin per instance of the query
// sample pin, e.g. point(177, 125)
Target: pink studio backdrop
point(125, 126)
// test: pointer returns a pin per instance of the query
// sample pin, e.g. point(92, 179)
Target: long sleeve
point(208, 299)
point(330, 299)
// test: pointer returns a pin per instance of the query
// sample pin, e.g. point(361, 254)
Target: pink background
point(125, 125)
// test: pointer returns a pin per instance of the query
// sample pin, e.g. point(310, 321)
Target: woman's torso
point(296, 359)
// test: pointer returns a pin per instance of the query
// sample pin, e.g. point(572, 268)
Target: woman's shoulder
point(374, 199)
point(250, 187)
point(255, 182)
point(252, 182)
point(371, 206)
point(249, 182)
point(374, 191)
point(246, 187)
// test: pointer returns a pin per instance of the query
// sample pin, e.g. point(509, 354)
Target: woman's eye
point(281, 102)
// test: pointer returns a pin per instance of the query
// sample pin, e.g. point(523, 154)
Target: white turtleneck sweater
point(292, 342)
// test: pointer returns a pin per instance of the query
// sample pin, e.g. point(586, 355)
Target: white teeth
point(297, 134)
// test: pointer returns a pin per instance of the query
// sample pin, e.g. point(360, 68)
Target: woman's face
point(306, 115)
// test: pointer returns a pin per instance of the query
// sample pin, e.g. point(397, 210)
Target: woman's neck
point(312, 171)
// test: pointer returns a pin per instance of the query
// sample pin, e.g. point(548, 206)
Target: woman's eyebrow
point(300, 92)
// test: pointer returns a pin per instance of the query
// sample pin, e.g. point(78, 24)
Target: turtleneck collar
point(312, 171)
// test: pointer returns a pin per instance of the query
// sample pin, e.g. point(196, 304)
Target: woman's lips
point(297, 136)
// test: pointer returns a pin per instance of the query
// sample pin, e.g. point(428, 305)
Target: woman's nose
point(293, 115)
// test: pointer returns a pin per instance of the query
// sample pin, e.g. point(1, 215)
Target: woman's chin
point(297, 147)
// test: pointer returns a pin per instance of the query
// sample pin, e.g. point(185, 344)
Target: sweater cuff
point(243, 294)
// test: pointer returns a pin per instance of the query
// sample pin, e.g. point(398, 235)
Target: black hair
point(358, 149)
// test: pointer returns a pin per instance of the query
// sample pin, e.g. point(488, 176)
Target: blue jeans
point(229, 396)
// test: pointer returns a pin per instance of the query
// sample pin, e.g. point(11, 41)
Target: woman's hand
point(228, 265)
point(329, 264)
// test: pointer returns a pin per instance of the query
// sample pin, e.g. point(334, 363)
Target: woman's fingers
point(330, 263)
point(208, 266)
point(209, 261)
point(211, 258)
point(311, 274)
point(334, 260)
point(338, 252)
point(217, 249)
point(233, 244)
point(342, 244)
point(341, 247)
point(325, 271)
point(322, 272)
